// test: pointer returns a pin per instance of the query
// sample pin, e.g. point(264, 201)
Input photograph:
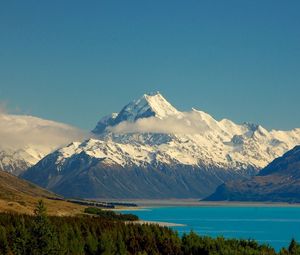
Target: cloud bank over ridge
point(193, 122)
point(22, 131)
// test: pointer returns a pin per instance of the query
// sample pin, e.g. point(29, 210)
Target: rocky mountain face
point(278, 182)
point(106, 169)
point(150, 149)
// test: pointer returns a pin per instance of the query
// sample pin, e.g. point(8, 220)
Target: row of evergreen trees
point(43, 235)
point(111, 215)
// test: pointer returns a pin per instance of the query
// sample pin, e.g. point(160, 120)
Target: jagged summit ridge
point(155, 106)
point(159, 105)
point(152, 125)
point(149, 105)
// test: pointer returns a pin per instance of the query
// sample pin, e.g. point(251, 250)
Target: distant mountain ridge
point(278, 182)
point(26, 139)
point(16, 161)
point(150, 149)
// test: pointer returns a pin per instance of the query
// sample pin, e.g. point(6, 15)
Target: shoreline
point(144, 204)
point(159, 223)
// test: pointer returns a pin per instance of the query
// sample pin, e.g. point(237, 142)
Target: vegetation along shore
point(107, 232)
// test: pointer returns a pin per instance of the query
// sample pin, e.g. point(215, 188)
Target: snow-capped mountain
point(152, 105)
point(26, 139)
point(194, 137)
point(16, 161)
point(151, 149)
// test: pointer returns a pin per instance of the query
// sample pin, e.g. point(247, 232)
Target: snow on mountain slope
point(278, 182)
point(150, 149)
point(148, 105)
point(195, 137)
point(24, 140)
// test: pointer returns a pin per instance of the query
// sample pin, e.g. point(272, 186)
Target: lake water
point(273, 225)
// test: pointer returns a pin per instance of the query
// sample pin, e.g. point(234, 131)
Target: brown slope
point(17, 195)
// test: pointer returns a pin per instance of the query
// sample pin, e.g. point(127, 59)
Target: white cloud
point(188, 123)
point(21, 131)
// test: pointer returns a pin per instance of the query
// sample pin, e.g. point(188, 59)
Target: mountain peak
point(149, 105)
point(152, 93)
point(156, 103)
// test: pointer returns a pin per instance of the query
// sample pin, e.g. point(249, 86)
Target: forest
point(108, 233)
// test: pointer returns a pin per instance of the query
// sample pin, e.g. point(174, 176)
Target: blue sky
point(75, 61)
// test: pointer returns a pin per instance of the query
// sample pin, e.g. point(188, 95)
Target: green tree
point(107, 244)
point(76, 242)
point(121, 246)
point(62, 236)
point(21, 238)
point(44, 239)
point(283, 251)
point(3, 241)
point(91, 244)
point(294, 248)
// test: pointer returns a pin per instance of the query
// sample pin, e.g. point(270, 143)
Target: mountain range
point(152, 150)
point(278, 182)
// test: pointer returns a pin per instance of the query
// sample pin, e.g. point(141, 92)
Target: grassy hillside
point(17, 195)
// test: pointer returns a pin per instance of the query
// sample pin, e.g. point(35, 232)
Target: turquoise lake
point(272, 225)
